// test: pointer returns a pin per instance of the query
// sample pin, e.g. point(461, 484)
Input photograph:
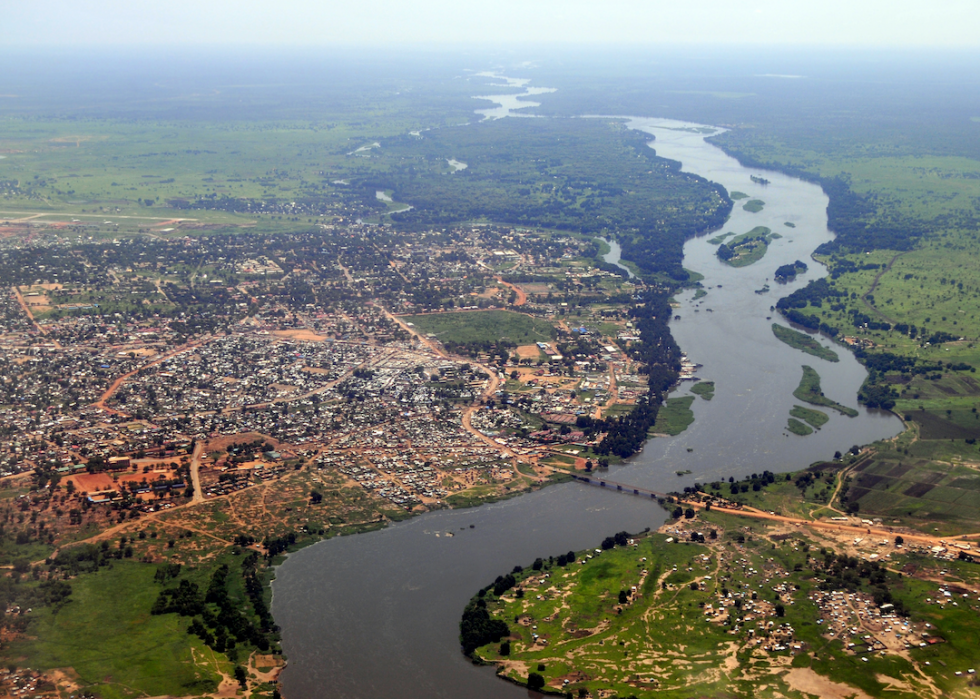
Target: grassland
point(649, 618)
point(477, 327)
point(809, 392)
point(108, 636)
point(803, 342)
point(704, 389)
point(927, 483)
point(675, 416)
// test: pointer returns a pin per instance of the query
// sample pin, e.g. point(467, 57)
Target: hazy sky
point(894, 23)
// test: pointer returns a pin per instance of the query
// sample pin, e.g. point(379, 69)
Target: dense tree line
point(217, 619)
point(477, 628)
point(660, 358)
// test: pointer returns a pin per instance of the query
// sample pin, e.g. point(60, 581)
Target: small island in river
point(803, 342)
point(747, 248)
point(705, 389)
point(809, 392)
point(787, 273)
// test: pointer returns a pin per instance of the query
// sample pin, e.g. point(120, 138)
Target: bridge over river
point(614, 485)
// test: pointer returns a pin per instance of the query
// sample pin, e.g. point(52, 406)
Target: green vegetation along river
point(377, 614)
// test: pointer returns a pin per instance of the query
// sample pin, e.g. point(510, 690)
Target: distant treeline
point(588, 176)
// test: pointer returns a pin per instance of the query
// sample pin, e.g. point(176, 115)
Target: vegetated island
point(747, 248)
point(735, 196)
point(759, 180)
point(809, 392)
point(801, 609)
point(674, 417)
point(815, 418)
point(705, 389)
point(719, 239)
point(797, 427)
point(789, 224)
point(754, 206)
point(803, 342)
point(787, 273)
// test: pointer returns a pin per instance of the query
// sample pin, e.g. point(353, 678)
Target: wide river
point(376, 616)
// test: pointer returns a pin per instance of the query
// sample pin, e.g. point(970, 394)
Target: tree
point(689, 513)
point(780, 610)
point(535, 682)
point(241, 675)
point(622, 597)
point(899, 540)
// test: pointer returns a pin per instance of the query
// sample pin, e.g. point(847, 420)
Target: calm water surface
point(376, 615)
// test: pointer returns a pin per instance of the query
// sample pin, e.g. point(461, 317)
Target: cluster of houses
point(237, 371)
point(865, 626)
point(420, 459)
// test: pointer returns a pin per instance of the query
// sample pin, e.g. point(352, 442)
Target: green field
point(705, 389)
point(923, 482)
point(478, 327)
point(809, 392)
point(675, 416)
point(803, 342)
point(105, 632)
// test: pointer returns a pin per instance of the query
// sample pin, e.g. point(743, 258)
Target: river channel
point(376, 615)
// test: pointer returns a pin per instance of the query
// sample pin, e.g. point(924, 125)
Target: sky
point(434, 23)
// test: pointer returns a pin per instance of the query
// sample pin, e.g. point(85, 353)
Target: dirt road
point(196, 473)
point(862, 531)
point(521, 296)
point(114, 386)
point(27, 312)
